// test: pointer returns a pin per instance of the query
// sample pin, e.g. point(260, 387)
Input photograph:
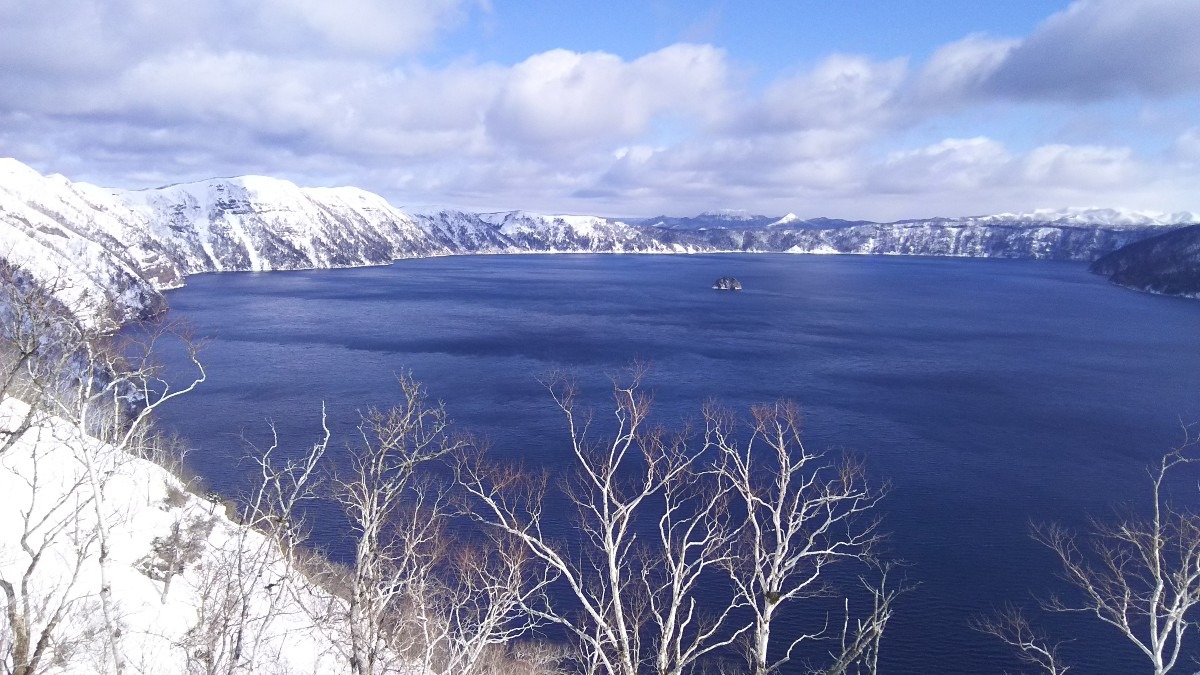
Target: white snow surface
point(43, 474)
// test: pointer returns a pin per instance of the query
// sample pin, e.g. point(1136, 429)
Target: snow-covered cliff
point(89, 246)
point(257, 223)
point(112, 250)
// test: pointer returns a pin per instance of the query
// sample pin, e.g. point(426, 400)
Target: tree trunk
point(20, 631)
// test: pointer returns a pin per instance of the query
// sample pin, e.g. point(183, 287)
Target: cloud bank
point(133, 93)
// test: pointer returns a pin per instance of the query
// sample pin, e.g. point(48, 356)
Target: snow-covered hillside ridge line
point(118, 248)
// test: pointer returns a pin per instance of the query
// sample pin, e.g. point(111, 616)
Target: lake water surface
point(990, 393)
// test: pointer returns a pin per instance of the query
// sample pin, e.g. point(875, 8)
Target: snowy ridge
point(561, 234)
point(256, 223)
point(89, 247)
point(1101, 217)
point(117, 248)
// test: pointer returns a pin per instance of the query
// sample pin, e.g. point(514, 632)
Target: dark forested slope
point(1168, 263)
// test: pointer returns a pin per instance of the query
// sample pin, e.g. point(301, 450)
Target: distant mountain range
point(114, 251)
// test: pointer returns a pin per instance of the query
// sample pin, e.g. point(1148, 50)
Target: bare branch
point(803, 514)
point(1012, 627)
point(1138, 574)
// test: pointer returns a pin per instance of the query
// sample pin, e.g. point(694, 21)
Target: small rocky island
point(727, 284)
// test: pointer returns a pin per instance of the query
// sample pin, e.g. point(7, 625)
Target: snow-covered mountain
point(111, 251)
point(257, 223)
point(935, 237)
point(88, 246)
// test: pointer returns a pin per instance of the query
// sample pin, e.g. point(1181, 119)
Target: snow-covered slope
point(117, 247)
point(462, 231)
point(257, 223)
point(50, 552)
point(89, 247)
point(532, 232)
point(785, 221)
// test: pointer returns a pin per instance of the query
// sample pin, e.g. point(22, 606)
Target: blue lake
point(990, 393)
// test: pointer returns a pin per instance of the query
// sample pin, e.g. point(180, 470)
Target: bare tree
point(212, 645)
point(106, 390)
point(248, 583)
point(38, 340)
point(859, 647)
point(170, 555)
point(110, 399)
point(1011, 626)
point(53, 534)
point(804, 513)
point(398, 519)
point(1138, 574)
point(635, 602)
point(417, 597)
point(458, 603)
point(490, 584)
point(420, 595)
point(46, 356)
point(693, 552)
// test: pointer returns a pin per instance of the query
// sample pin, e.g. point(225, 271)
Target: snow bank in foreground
point(229, 594)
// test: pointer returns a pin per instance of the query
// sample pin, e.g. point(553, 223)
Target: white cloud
point(949, 165)
point(133, 93)
point(838, 92)
point(1094, 50)
point(383, 27)
point(980, 175)
point(562, 96)
point(90, 36)
point(1101, 48)
point(1081, 167)
point(960, 69)
point(1187, 145)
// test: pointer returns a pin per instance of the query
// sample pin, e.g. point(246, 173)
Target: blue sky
point(850, 109)
point(770, 37)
